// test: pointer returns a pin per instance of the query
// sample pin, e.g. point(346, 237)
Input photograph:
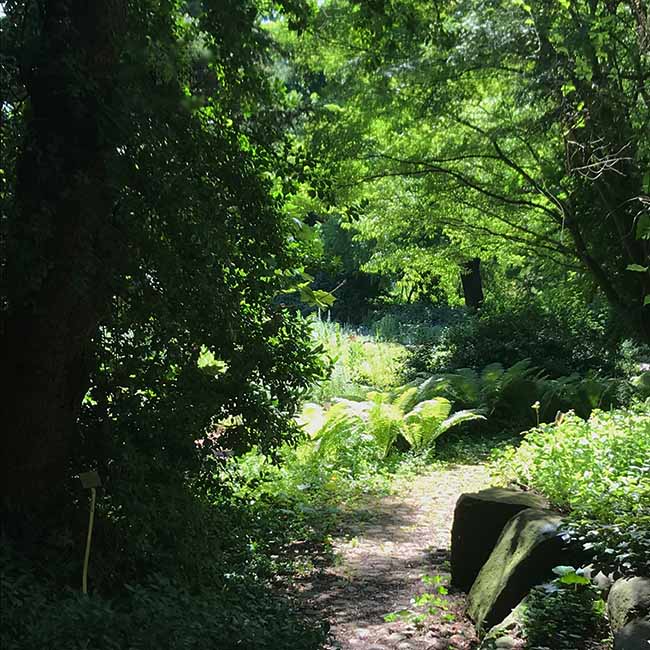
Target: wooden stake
point(91, 521)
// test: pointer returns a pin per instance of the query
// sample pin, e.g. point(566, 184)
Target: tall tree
point(144, 236)
point(65, 248)
point(511, 128)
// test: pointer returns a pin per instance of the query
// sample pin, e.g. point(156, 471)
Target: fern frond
point(433, 386)
point(491, 374)
point(458, 418)
point(406, 400)
point(385, 424)
point(423, 421)
point(343, 420)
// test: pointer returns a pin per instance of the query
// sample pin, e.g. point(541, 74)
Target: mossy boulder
point(479, 519)
point(633, 636)
point(509, 632)
point(629, 599)
point(524, 556)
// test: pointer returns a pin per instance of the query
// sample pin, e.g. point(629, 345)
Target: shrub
point(159, 613)
point(560, 343)
point(599, 470)
point(563, 617)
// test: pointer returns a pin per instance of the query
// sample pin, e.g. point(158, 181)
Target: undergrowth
point(359, 363)
point(196, 562)
point(598, 470)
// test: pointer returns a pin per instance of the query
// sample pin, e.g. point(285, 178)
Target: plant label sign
point(90, 480)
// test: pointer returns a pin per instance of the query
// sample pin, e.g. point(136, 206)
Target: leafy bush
point(563, 617)
point(558, 342)
point(599, 470)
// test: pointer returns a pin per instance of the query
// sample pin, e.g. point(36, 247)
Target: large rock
point(628, 599)
point(479, 519)
point(509, 632)
point(524, 556)
point(633, 636)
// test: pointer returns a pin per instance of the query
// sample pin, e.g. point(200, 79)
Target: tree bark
point(472, 284)
point(62, 248)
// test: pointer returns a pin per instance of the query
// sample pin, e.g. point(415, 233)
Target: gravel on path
point(390, 551)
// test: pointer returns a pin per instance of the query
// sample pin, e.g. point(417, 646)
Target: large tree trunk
point(472, 284)
point(62, 255)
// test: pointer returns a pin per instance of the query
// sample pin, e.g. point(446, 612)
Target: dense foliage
point(507, 132)
point(159, 613)
point(598, 470)
point(196, 196)
point(189, 249)
point(564, 617)
point(145, 248)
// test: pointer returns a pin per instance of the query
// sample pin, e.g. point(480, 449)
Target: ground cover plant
point(565, 617)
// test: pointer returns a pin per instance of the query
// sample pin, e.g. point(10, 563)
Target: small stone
point(395, 637)
point(505, 642)
point(405, 645)
point(361, 632)
point(436, 644)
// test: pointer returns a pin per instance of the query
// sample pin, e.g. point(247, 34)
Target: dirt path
point(382, 555)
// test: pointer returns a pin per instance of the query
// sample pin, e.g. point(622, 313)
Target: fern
point(406, 399)
point(345, 419)
point(385, 424)
point(423, 422)
point(418, 412)
point(459, 417)
point(430, 419)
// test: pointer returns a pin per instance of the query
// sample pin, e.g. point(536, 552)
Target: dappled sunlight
point(281, 281)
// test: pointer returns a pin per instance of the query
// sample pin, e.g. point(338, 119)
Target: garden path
point(382, 553)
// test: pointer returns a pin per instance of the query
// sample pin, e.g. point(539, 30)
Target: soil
point(390, 551)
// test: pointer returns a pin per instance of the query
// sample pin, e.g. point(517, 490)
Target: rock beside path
point(633, 636)
point(524, 556)
point(629, 599)
point(479, 520)
point(628, 610)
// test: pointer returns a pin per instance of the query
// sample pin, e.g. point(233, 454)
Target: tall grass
point(361, 363)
